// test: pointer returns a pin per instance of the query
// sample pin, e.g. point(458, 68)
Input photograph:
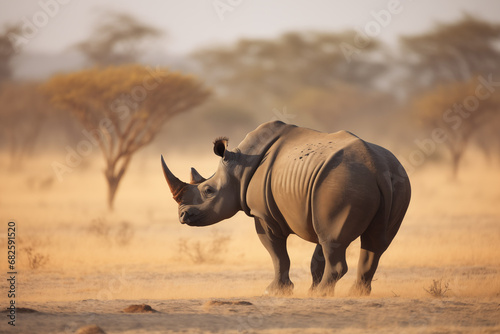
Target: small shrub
point(124, 234)
point(36, 259)
point(99, 227)
point(438, 289)
point(121, 234)
point(30, 247)
point(210, 251)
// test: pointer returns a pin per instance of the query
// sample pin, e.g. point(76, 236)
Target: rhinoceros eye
point(208, 191)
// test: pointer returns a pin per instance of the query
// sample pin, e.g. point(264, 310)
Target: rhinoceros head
point(203, 201)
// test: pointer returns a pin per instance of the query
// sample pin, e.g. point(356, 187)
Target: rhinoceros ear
point(196, 177)
point(220, 145)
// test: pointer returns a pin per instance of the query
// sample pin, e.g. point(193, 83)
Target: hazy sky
point(194, 23)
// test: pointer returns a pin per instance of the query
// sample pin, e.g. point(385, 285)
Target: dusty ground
point(80, 265)
point(272, 315)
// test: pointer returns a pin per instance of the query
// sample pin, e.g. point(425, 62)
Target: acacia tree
point(442, 65)
point(116, 39)
point(124, 108)
point(451, 52)
point(23, 112)
point(459, 109)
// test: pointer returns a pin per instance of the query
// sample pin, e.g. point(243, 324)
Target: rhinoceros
point(327, 188)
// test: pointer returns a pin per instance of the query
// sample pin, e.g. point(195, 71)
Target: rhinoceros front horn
point(177, 187)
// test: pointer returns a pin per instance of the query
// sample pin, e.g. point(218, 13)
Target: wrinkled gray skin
point(328, 189)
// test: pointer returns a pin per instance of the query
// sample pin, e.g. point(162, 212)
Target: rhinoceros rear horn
point(177, 187)
point(220, 145)
point(196, 177)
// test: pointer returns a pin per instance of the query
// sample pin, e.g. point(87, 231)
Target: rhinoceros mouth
point(199, 222)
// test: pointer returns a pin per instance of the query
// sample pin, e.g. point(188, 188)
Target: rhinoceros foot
point(279, 289)
point(360, 289)
point(322, 290)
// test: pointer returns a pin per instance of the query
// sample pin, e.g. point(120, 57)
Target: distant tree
point(488, 139)
point(451, 52)
point(124, 107)
point(22, 113)
point(460, 110)
point(279, 68)
point(116, 39)
point(7, 51)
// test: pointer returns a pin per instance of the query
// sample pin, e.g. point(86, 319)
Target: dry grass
point(120, 234)
point(210, 251)
point(34, 252)
point(36, 259)
point(438, 289)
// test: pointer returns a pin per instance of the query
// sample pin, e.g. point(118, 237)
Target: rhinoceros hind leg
point(335, 268)
point(368, 263)
point(317, 266)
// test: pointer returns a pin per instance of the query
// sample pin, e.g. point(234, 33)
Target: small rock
point(143, 308)
point(211, 303)
point(22, 310)
point(90, 329)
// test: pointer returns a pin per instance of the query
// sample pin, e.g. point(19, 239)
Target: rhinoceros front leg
point(276, 246)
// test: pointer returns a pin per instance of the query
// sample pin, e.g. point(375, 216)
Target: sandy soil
point(271, 315)
point(79, 265)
